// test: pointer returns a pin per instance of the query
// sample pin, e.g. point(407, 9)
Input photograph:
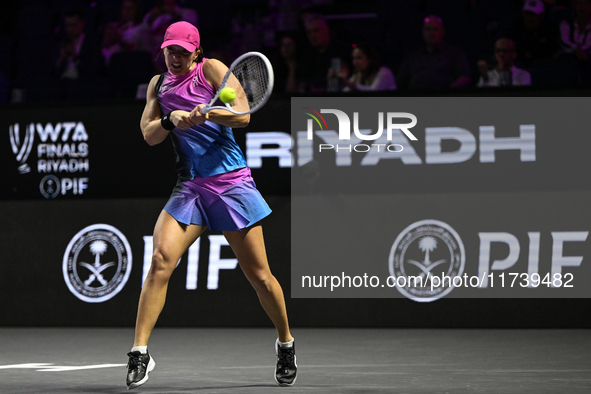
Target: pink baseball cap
point(183, 34)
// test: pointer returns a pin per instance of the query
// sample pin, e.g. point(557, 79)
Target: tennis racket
point(255, 73)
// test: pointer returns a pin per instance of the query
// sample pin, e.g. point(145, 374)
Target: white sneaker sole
point(151, 365)
point(286, 384)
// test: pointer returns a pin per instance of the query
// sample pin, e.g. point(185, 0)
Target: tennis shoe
point(138, 367)
point(287, 368)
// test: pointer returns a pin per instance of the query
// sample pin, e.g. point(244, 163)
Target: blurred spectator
point(324, 53)
point(368, 72)
point(534, 35)
point(166, 12)
point(79, 51)
point(286, 64)
point(126, 34)
point(557, 10)
point(437, 65)
point(504, 73)
point(575, 33)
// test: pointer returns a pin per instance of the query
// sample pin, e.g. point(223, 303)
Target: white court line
point(25, 366)
point(48, 367)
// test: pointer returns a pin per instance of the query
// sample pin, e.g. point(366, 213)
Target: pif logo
point(344, 130)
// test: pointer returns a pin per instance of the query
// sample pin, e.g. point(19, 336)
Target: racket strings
point(253, 75)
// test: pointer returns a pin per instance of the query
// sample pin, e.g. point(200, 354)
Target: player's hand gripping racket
point(255, 73)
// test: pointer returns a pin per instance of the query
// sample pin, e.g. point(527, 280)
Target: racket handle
point(205, 109)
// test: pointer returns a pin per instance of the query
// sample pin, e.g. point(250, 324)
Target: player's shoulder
point(214, 64)
point(214, 71)
point(154, 80)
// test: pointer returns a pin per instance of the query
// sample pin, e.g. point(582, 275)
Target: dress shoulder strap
point(159, 83)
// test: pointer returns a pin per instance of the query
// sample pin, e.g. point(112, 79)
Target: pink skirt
point(224, 202)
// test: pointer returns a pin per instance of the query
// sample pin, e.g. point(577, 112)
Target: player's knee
point(261, 281)
point(162, 266)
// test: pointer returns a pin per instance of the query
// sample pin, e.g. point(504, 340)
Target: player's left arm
point(214, 72)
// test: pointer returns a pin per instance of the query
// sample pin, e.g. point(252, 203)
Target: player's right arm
point(150, 124)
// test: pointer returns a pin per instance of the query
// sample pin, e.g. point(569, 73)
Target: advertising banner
point(81, 191)
point(54, 152)
point(428, 198)
point(83, 262)
point(487, 207)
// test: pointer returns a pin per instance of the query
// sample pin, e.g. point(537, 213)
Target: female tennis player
point(214, 190)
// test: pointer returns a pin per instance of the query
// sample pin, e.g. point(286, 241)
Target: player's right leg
point(171, 239)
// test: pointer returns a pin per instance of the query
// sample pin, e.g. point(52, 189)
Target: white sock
point(285, 344)
point(141, 349)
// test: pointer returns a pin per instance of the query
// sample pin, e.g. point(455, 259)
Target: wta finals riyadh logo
point(344, 133)
point(21, 149)
point(425, 249)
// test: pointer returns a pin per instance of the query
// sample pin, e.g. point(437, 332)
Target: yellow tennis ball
point(227, 95)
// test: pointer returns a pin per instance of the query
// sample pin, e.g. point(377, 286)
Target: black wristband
point(166, 122)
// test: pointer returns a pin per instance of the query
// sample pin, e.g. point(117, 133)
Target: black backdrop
point(128, 183)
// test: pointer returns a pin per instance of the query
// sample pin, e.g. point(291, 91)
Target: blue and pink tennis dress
point(214, 187)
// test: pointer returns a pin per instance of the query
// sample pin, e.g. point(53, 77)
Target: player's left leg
point(249, 247)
